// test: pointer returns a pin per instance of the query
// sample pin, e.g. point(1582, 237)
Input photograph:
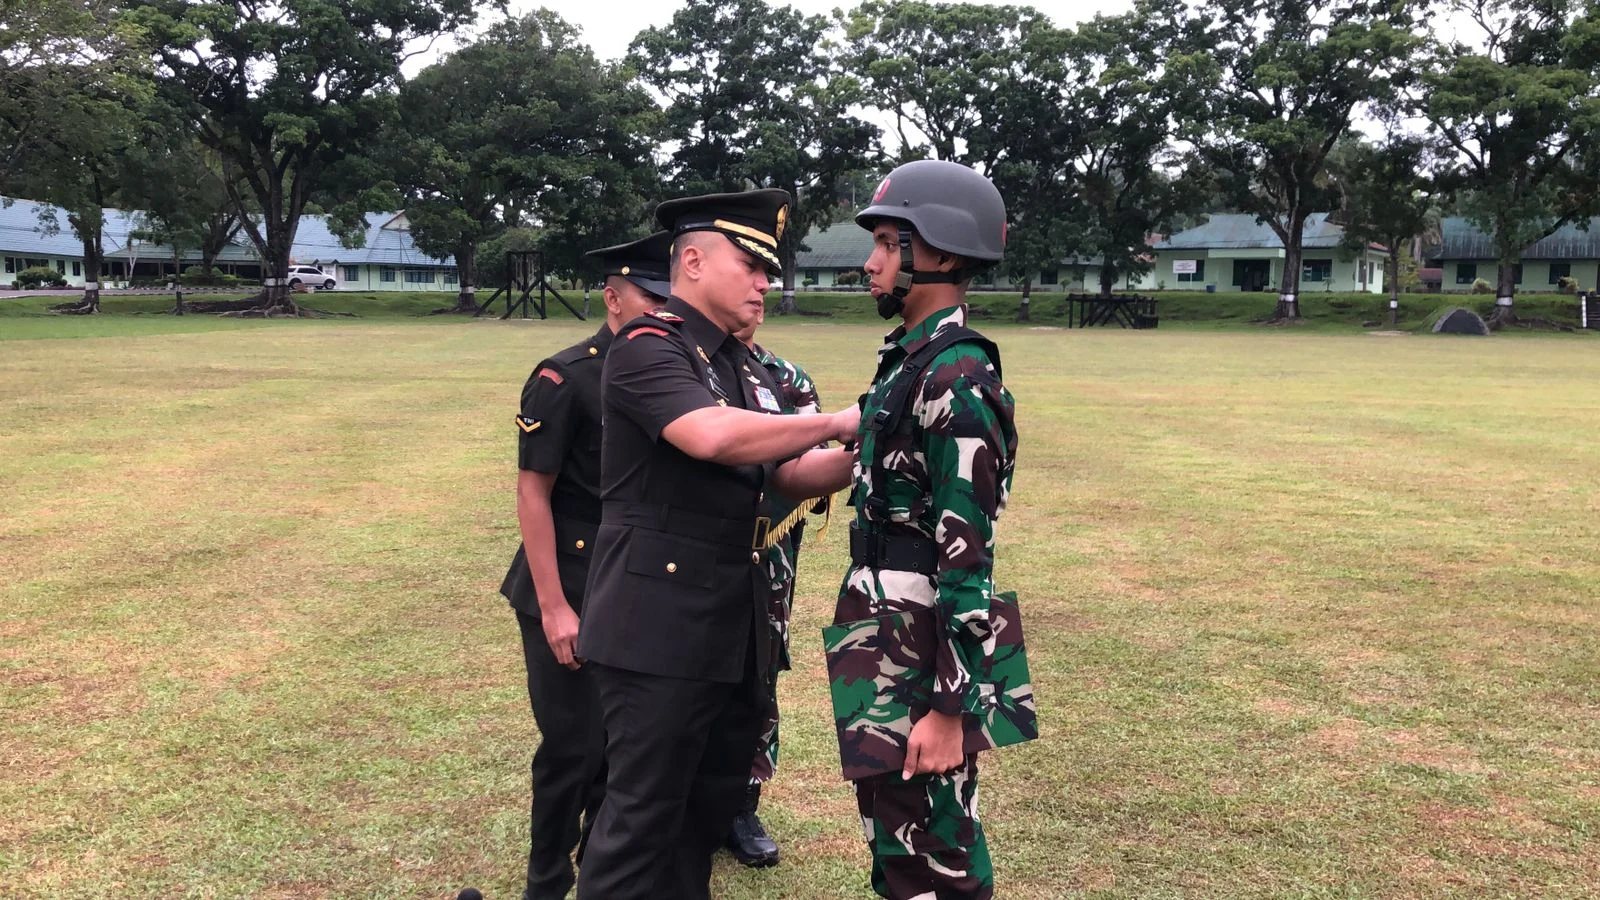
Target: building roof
point(1463, 240)
point(388, 241)
point(1241, 231)
point(385, 245)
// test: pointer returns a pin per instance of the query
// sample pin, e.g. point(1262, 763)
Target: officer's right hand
point(561, 633)
point(847, 422)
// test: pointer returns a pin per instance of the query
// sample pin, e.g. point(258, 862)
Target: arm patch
point(638, 331)
point(551, 374)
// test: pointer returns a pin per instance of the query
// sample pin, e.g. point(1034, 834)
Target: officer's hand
point(934, 746)
point(561, 632)
point(847, 422)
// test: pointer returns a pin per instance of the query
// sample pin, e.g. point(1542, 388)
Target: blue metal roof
point(1463, 240)
point(21, 234)
point(1241, 231)
point(313, 243)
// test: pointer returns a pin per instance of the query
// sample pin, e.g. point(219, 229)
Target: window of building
point(1516, 274)
point(1559, 271)
point(1316, 271)
point(1048, 276)
point(450, 276)
point(419, 276)
point(386, 274)
point(61, 266)
point(1466, 273)
point(77, 267)
point(349, 273)
point(1199, 273)
point(11, 265)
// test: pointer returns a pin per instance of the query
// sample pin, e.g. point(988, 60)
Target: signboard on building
point(1183, 267)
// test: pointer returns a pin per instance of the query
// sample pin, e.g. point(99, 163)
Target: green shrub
point(1482, 287)
point(40, 276)
point(848, 278)
point(1567, 285)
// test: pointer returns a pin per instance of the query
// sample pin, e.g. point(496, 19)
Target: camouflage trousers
point(766, 761)
point(925, 837)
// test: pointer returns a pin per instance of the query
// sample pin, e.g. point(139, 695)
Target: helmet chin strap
point(894, 303)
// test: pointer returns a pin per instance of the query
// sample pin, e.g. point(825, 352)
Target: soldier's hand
point(561, 633)
point(934, 746)
point(847, 422)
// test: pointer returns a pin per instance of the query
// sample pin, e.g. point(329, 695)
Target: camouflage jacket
point(797, 395)
point(948, 479)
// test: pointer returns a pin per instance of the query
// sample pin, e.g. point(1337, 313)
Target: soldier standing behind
point(931, 477)
point(797, 395)
point(675, 621)
point(558, 509)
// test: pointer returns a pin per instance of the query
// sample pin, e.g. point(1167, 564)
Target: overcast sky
point(610, 25)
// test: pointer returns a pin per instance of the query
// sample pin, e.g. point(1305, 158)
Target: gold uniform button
point(672, 567)
point(755, 557)
point(580, 545)
point(594, 351)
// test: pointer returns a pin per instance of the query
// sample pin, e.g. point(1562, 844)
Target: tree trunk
point(92, 257)
point(1027, 295)
point(275, 296)
point(786, 304)
point(1289, 285)
point(1505, 292)
point(177, 282)
point(1394, 282)
point(1108, 279)
point(466, 269)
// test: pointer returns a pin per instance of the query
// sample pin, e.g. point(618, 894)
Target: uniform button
point(580, 545)
point(594, 351)
point(672, 567)
point(755, 557)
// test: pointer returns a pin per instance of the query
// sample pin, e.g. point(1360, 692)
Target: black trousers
point(678, 762)
point(569, 770)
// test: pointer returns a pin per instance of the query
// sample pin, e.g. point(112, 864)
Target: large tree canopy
point(284, 91)
point(523, 124)
point(1516, 114)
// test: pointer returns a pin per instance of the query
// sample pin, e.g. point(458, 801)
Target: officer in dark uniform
point(558, 508)
point(675, 602)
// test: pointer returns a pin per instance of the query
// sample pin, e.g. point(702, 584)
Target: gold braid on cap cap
point(747, 231)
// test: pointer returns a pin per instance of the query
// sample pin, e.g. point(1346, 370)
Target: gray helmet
point(952, 208)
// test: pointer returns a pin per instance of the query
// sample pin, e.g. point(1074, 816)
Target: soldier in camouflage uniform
point(927, 493)
point(797, 395)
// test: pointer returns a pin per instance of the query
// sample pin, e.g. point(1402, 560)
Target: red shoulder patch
point(665, 316)
point(551, 374)
point(638, 331)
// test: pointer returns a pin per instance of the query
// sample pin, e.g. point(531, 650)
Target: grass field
point(1311, 614)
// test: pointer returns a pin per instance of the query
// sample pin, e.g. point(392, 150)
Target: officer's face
point(626, 301)
point(736, 284)
point(748, 333)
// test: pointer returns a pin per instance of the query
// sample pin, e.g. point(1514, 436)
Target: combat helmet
point(952, 208)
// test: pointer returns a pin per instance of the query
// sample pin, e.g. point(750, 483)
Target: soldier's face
point(884, 263)
point(626, 301)
point(748, 333)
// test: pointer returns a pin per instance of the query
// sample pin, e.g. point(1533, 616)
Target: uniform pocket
point(657, 555)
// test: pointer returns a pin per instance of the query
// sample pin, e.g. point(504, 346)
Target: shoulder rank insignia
point(665, 316)
point(528, 424)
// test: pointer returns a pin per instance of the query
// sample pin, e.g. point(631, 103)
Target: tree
point(1268, 87)
point(517, 118)
point(941, 70)
point(1386, 199)
point(284, 91)
point(1516, 118)
point(56, 57)
point(1129, 181)
point(756, 98)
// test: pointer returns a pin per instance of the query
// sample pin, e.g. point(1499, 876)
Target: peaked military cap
point(643, 262)
point(753, 220)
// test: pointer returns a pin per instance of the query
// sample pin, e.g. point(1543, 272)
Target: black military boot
point(747, 839)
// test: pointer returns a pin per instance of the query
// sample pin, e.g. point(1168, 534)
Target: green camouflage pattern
point(797, 395)
point(926, 838)
point(903, 643)
point(878, 673)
